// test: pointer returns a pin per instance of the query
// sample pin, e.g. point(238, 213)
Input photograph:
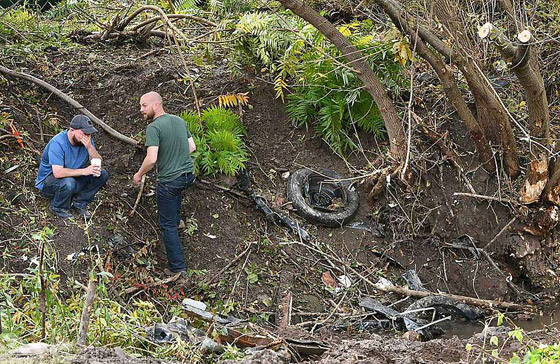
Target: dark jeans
point(77, 190)
point(168, 197)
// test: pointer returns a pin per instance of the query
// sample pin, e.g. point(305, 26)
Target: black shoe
point(82, 210)
point(60, 212)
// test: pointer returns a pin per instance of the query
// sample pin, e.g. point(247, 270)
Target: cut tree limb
point(71, 101)
point(468, 300)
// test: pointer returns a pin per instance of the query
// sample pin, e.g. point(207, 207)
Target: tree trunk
point(372, 84)
point(492, 117)
point(448, 82)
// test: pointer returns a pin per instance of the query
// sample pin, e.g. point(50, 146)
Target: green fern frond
point(193, 122)
point(217, 118)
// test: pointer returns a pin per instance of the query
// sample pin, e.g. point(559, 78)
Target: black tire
point(298, 192)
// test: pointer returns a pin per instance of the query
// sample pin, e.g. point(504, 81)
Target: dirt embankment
point(411, 226)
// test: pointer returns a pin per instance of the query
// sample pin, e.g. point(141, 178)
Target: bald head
point(151, 105)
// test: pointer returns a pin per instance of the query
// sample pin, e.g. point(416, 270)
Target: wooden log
point(465, 299)
point(535, 180)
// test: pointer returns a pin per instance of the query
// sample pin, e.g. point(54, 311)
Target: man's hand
point(86, 141)
point(137, 179)
point(92, 170)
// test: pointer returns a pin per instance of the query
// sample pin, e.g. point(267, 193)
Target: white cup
point(96, 162)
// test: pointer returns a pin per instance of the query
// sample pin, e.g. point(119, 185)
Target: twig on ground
point(499, 233)
point(474, 195)
point(224, 269)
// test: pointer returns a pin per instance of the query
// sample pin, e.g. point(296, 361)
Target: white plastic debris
point(383, 283)
point(345, 281)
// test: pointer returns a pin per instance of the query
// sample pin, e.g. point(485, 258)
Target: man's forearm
point(93, 153)
point(147, 166)
point(69, 172)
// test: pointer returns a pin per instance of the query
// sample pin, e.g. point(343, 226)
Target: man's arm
point(148, 163)
point(192, 145)
point(61, 172)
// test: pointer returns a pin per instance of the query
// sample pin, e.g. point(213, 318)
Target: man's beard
point(149, 115)
point(76, 141)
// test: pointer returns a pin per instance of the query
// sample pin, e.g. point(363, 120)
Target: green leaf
point(494, 340)
point(500, 319)
point(252, 278)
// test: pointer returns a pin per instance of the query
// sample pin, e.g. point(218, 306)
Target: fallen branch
point(71, 101)
point(139, 195)
point(485, 197)
point(84, 322)
point(465, 299)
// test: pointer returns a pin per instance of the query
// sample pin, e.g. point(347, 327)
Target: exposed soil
point(411, 226)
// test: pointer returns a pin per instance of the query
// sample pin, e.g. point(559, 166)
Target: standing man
point(65, 173)
point(169, 145)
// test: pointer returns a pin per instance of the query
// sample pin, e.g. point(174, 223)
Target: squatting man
point(70, 172)
point(169, 146)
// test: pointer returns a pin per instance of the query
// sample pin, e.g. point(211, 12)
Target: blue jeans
point(168, 198)
point(78, 190)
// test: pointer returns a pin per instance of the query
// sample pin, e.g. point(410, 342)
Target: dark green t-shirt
point(171, 135)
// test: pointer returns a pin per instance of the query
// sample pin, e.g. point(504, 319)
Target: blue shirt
point(59, 152)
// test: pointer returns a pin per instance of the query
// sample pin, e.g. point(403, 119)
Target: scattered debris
point(389, 258)
point(413, 280)
point(359, 226)
point(198, 309)
point(444, 306)
point(12, 168)
point(94, 249)
point(178, 328)
point(386, 286)
point(399, 321)
point(244, 184)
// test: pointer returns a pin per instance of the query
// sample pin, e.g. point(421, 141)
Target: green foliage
point(24, 30)
point(217, 134)
point(533, 352)
point(543, 354)
point(327, 94)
